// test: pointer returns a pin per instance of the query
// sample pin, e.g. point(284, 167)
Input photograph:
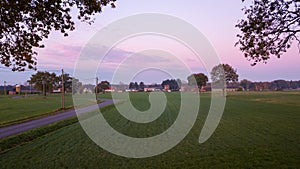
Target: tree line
point(274, 85)
point(222, 76)
point(47, 82)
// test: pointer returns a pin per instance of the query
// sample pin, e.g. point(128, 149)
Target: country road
point(28, 125)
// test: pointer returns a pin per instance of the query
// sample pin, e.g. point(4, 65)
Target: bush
point(240, 89)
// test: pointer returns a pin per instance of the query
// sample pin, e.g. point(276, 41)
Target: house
point(231, 89)
point(131, 90)
point(166, 87)
point(11, 92)
point(111, 89)
point(87, 90)
point(153, 88)
point(149, 89)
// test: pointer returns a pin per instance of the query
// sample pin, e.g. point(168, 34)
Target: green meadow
point(17, 109)
point(257, 130)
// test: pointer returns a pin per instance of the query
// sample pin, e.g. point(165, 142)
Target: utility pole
point(30, 87)
point(44, 90)
point(96, 90)
point(62, 89)
point(4, 87)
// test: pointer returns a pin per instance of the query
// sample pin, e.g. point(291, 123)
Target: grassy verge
point(17, 121)
point(14, 111)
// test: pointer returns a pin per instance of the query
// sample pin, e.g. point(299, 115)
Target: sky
point(156, 57)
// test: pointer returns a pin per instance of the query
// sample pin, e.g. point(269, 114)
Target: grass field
point(258, 130)
point(18, 109)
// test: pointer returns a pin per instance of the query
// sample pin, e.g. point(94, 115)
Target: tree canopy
point(44, 79)
point(173, 84)
point(52, 81)
point(224, 72)
point(25, 23)
point(136, 86)
point(70, 83)
point(103, 85)
point(270, 28)
point(245, 84)
point(141, 85)
point(198, 79)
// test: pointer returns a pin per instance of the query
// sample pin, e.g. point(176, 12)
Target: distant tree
point(76, 85)
point(269, 29)
point(131, 85)
point(173, 85)
point(44, 79)
point(24, 24)
point(272, 86)
point(239, 89)
point(103, 85)
point(294, 84)
point(179, 82)
point(142, 86)
point(281, 84)
point(224, 72)
point(199, 79)
point(69, 83)
point(245, 84)
point(136, 86)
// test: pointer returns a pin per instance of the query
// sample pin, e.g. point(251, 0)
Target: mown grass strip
point(33, 117)
point(17, 121)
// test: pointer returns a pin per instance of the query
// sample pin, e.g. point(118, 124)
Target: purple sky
point(215, 19)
